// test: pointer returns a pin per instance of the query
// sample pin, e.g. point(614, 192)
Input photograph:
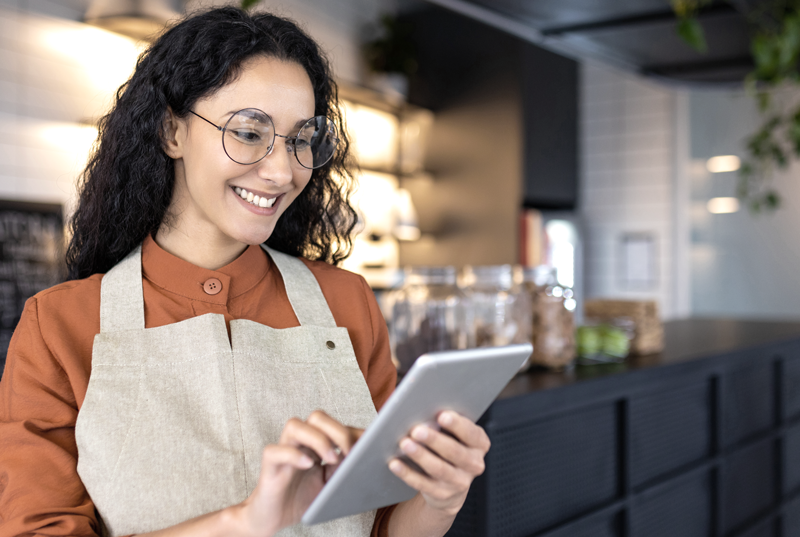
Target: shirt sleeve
point(381, 374)
point(40, 490)
point(381, 379)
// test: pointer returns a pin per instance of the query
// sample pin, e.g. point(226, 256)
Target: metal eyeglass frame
point(289, 139)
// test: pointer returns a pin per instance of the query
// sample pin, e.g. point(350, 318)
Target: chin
point(253, 236)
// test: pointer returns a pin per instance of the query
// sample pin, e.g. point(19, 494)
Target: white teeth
point(254, 199)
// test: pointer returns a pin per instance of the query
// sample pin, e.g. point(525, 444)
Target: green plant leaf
point(788, 45)
point(793, 132)
point(690, 30)
point(771, 200)
point(765, 57)
point(247, 4)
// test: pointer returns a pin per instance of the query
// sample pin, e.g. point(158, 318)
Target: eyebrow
point(299, 123)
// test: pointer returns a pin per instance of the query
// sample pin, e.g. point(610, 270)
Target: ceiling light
point(139, 19)
point(373, 135)
point(107, 58)
point(723, 163)
point(723, 205)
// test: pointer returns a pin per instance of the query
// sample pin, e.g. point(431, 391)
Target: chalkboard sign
point(31, 259)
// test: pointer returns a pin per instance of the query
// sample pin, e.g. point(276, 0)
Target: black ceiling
point(637, 35)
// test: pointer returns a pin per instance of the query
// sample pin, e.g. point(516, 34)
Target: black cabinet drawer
point(747, 402)
point(765, 528)
point(669, 430)
point(546, 472)
point(790, 523)
point(791, 387)
point(602, 525)
point(679, 507)
point(748, 484)
point(791, 460)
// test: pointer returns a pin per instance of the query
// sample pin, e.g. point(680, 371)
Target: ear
point(173, 133)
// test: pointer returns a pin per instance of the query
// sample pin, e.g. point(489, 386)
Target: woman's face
point(207, 203)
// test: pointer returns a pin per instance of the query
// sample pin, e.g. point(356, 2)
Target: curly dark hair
point(126, 187)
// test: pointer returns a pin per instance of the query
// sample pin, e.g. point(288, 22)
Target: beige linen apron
point(176, 417)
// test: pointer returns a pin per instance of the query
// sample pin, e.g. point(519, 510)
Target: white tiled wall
point(627, 178)
point(48, 93)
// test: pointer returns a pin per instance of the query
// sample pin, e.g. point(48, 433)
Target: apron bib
point(176, 417)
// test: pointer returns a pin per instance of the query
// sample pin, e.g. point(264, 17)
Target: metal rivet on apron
point(331, 345)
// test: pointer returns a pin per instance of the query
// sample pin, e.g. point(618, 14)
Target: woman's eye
point(301, 145)
point(246, 136)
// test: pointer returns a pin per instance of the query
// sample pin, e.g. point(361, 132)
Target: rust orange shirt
point(50, 358)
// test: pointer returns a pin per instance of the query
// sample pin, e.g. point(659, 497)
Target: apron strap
point(303, 290)
point(121, 295)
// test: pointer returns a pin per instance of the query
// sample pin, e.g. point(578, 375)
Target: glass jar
point(553, 327)
point(501, 308)
point(429, 313)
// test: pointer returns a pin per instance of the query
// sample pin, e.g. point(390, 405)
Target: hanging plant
point(775, 47)
point(391, 49)
point(247, 4)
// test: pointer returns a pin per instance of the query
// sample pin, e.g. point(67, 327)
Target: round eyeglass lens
point(316, 142)
point(248, 136)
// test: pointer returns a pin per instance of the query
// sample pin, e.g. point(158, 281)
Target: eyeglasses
point(249, 136)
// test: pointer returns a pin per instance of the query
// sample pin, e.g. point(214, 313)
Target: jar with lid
point(501, 308)
point(429, 313)
point(553, 327)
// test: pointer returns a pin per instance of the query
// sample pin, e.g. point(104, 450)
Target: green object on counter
point(602, 340)
point(587, 340)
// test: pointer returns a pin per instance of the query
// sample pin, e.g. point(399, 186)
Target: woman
point(186, 381)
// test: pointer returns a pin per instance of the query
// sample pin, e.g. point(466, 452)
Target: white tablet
point(466, 381)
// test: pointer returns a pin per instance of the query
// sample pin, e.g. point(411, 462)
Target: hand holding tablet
point(465, 382)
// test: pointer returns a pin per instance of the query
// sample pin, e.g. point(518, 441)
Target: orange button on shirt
point(49, 363)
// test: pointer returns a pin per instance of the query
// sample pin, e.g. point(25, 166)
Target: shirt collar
point(183, 278)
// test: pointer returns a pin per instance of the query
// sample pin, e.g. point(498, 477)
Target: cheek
point(207, 168)
point(304, 178)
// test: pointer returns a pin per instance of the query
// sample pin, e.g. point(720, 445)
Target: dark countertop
point(684, 341)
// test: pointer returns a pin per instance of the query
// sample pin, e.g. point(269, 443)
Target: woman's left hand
point(451, 460)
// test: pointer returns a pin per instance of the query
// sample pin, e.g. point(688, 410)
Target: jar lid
point(540, 276)
point(431, 275)
point(498, 275)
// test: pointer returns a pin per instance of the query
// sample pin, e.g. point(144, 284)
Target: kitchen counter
point(701, 439)
point(684, 341)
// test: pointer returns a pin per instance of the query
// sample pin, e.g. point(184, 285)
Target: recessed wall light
point(723, 163)
point(723, 205)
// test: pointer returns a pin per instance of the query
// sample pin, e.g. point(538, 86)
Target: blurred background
point(599, 138)
point(603, 178)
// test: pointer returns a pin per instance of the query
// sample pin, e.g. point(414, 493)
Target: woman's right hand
point(293, 472)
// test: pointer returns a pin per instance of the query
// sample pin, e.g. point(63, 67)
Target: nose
point(276, 167)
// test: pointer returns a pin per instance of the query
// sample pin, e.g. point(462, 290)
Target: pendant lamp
point(139, 19)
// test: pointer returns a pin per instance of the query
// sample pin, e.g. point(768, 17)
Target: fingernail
point(395, 466)
point(420, 432)
point(306, 462)
point(446, 418)
point(408, 446)
point(332, 457)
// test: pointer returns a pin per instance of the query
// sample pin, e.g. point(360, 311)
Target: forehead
point(280, 88)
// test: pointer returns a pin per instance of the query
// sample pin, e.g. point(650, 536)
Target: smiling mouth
point(254, 199)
